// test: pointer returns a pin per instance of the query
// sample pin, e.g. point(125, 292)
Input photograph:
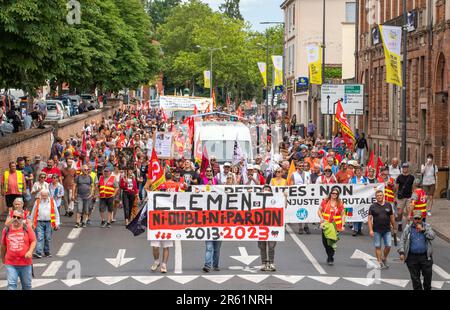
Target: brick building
point(428, 80)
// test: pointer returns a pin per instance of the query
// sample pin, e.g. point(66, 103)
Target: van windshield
point(224, 150)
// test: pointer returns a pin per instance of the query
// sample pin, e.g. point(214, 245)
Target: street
point(300, 262)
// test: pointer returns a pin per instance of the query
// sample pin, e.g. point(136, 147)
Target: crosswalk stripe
point(111, 280)
point(290, 279)
point(147, 279)
point(219, 279)
point(437, 284)
point(40, 282)
point(72, 282)
point(255, 278)
point(326, 280)
point(53, 268)
point(65, 249)
point(362, 281)
point(74, 233)
point(182, 279)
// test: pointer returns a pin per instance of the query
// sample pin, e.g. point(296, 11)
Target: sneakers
point(154, 266)
point(48, 255)
point(103, 224)
point(384, 264)
point(330, 261)
point(300, 231)
point(206, 269)
point(216, 269)
point(265, 267)
point(77, 225)
point(307, 231)
point(36, 255)
point(163, 268)
point(108, 225)
point(271, 267)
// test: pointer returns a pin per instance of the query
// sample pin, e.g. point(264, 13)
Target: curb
point(441, 235)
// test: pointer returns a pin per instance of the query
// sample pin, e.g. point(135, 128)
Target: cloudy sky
point(256, 11)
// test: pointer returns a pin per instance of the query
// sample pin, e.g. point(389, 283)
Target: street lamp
point(211, 50)
point(267, 64)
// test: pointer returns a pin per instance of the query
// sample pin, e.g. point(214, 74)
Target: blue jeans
point(212, 254)
point(14, 272)
point(43, 236)
point(357, 226)
point(387, 239)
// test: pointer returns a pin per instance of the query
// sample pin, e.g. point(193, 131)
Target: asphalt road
point(79, 262)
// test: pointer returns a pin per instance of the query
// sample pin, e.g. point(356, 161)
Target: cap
point(329, 141)
point(417, 213)
point(227, 165)
point(405, 165)
point(37, 157)
point(257, 167)
point(353, 163)
point(250, 167)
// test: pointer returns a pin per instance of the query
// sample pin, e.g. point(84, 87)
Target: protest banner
point(216, 216)
point(163, 145)
point(303, 201)
point(185, 103)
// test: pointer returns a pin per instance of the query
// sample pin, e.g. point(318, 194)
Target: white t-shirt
point(394, 172)
point(429, 174)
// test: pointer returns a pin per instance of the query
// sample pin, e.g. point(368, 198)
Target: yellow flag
point(278, 66)
point(314, 54)
point(263, 69)
point(392, 41)
point(207, 78)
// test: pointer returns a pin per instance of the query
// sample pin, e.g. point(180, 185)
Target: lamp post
point(405, 60)
point(267, 64)
point(211, 51)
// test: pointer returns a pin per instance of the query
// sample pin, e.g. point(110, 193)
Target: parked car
point(67, 104)
point(56, 110)
point(73, 101)
point(91, 101)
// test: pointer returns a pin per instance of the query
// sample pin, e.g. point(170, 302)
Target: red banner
point(156, 172)
point(347, 133)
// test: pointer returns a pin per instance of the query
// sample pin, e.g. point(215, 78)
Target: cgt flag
point(156, 172)
point(347, 133)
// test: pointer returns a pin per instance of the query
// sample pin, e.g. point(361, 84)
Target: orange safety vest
point(52, 213)
point(388, 189)
point(327, 211)
point(20, 180)
point(421, 202)
point(107, 189)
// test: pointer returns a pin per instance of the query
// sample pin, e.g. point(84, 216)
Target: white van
point(219, 138)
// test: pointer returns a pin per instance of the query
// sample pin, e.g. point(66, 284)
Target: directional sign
point(244, 257)
point(352, 96)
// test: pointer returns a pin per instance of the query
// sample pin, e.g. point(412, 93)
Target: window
point(350, 12)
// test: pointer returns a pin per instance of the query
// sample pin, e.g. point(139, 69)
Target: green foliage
point(333, 72)
point(231, 9)
point(160, 9)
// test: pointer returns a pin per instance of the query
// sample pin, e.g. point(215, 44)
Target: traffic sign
point(352, 96)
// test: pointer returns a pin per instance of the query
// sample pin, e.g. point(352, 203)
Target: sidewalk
point(440, 218)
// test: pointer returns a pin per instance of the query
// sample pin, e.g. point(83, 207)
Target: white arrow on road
point(120, 259)
point(244, 257)
point(369, 259)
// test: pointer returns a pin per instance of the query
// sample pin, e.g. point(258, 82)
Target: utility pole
point(322, 118)
point(405, 62)
point(267, 77)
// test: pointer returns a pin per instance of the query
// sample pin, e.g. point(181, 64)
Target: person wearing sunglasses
point(327, 177)
point(17, 245)
point(416, 251)
point(209, 178)
point(38, 186)
point(278, 179)
point(332, 218)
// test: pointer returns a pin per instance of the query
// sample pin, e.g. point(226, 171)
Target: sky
point(256, 11)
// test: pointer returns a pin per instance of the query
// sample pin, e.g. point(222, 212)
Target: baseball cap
point(257, 167)
point(353, 163)
point(250, 167)
point(405, 165)
point(417, 213)
point(227, 165)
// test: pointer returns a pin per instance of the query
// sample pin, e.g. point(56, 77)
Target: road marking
point(255, 278)
point(246, 268)
point(290, 279)
point(178, 257)
point(396, 282)
point(3, 283)
point(65, 249)
point(244, 257)
point(39, 282)
point(182, 279)
point(147, 279)
point(371, 262)
point(305, 250)
point(72, 282)
point(219, 279)
point(39, 265)
point(361, 281)
point(111, 280)
point(326, 280)
point(53, 268)
point(437, 284)
point(441, 272)
point(120, 259)
point(74, 233)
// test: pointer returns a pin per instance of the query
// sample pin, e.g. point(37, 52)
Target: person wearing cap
point(358, 178)
point(418, 200)
point(416, 250)
point(259, 174)
point(381, 218)
point(107, 188)
point(403, 188)
point(221, 177)
point(342, 148)
point(327, 177)
point(252, 178)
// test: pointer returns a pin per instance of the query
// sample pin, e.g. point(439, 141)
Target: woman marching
point(332, 217)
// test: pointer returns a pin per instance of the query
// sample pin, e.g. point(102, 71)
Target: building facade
point(427, 82)
point(304, 26)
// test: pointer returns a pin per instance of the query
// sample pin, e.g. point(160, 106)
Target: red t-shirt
point(17, 244)
point(50, 173)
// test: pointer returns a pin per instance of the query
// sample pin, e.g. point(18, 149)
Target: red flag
point(205, 162)
point(163, 115)
point(347, 133)
point(156, 172)
point(379, 165)
point(214, 100)
point(371, 163)
point(83, 144)
point(195, 110)
point(121, 141)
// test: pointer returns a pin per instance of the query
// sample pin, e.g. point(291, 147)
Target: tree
point(231, 9)
point(160, 9)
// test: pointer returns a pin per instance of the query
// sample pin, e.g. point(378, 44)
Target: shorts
point(429, 189)
point(106, 204)
point(387, 239)
point(164, 244)
point(403, 204)
point(83, 205)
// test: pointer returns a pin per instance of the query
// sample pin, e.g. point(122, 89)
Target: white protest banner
point(216, 216)
point(185, 103)
point(303, 201)
point(163, 145)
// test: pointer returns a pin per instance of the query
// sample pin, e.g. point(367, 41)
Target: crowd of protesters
point(85, 173)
